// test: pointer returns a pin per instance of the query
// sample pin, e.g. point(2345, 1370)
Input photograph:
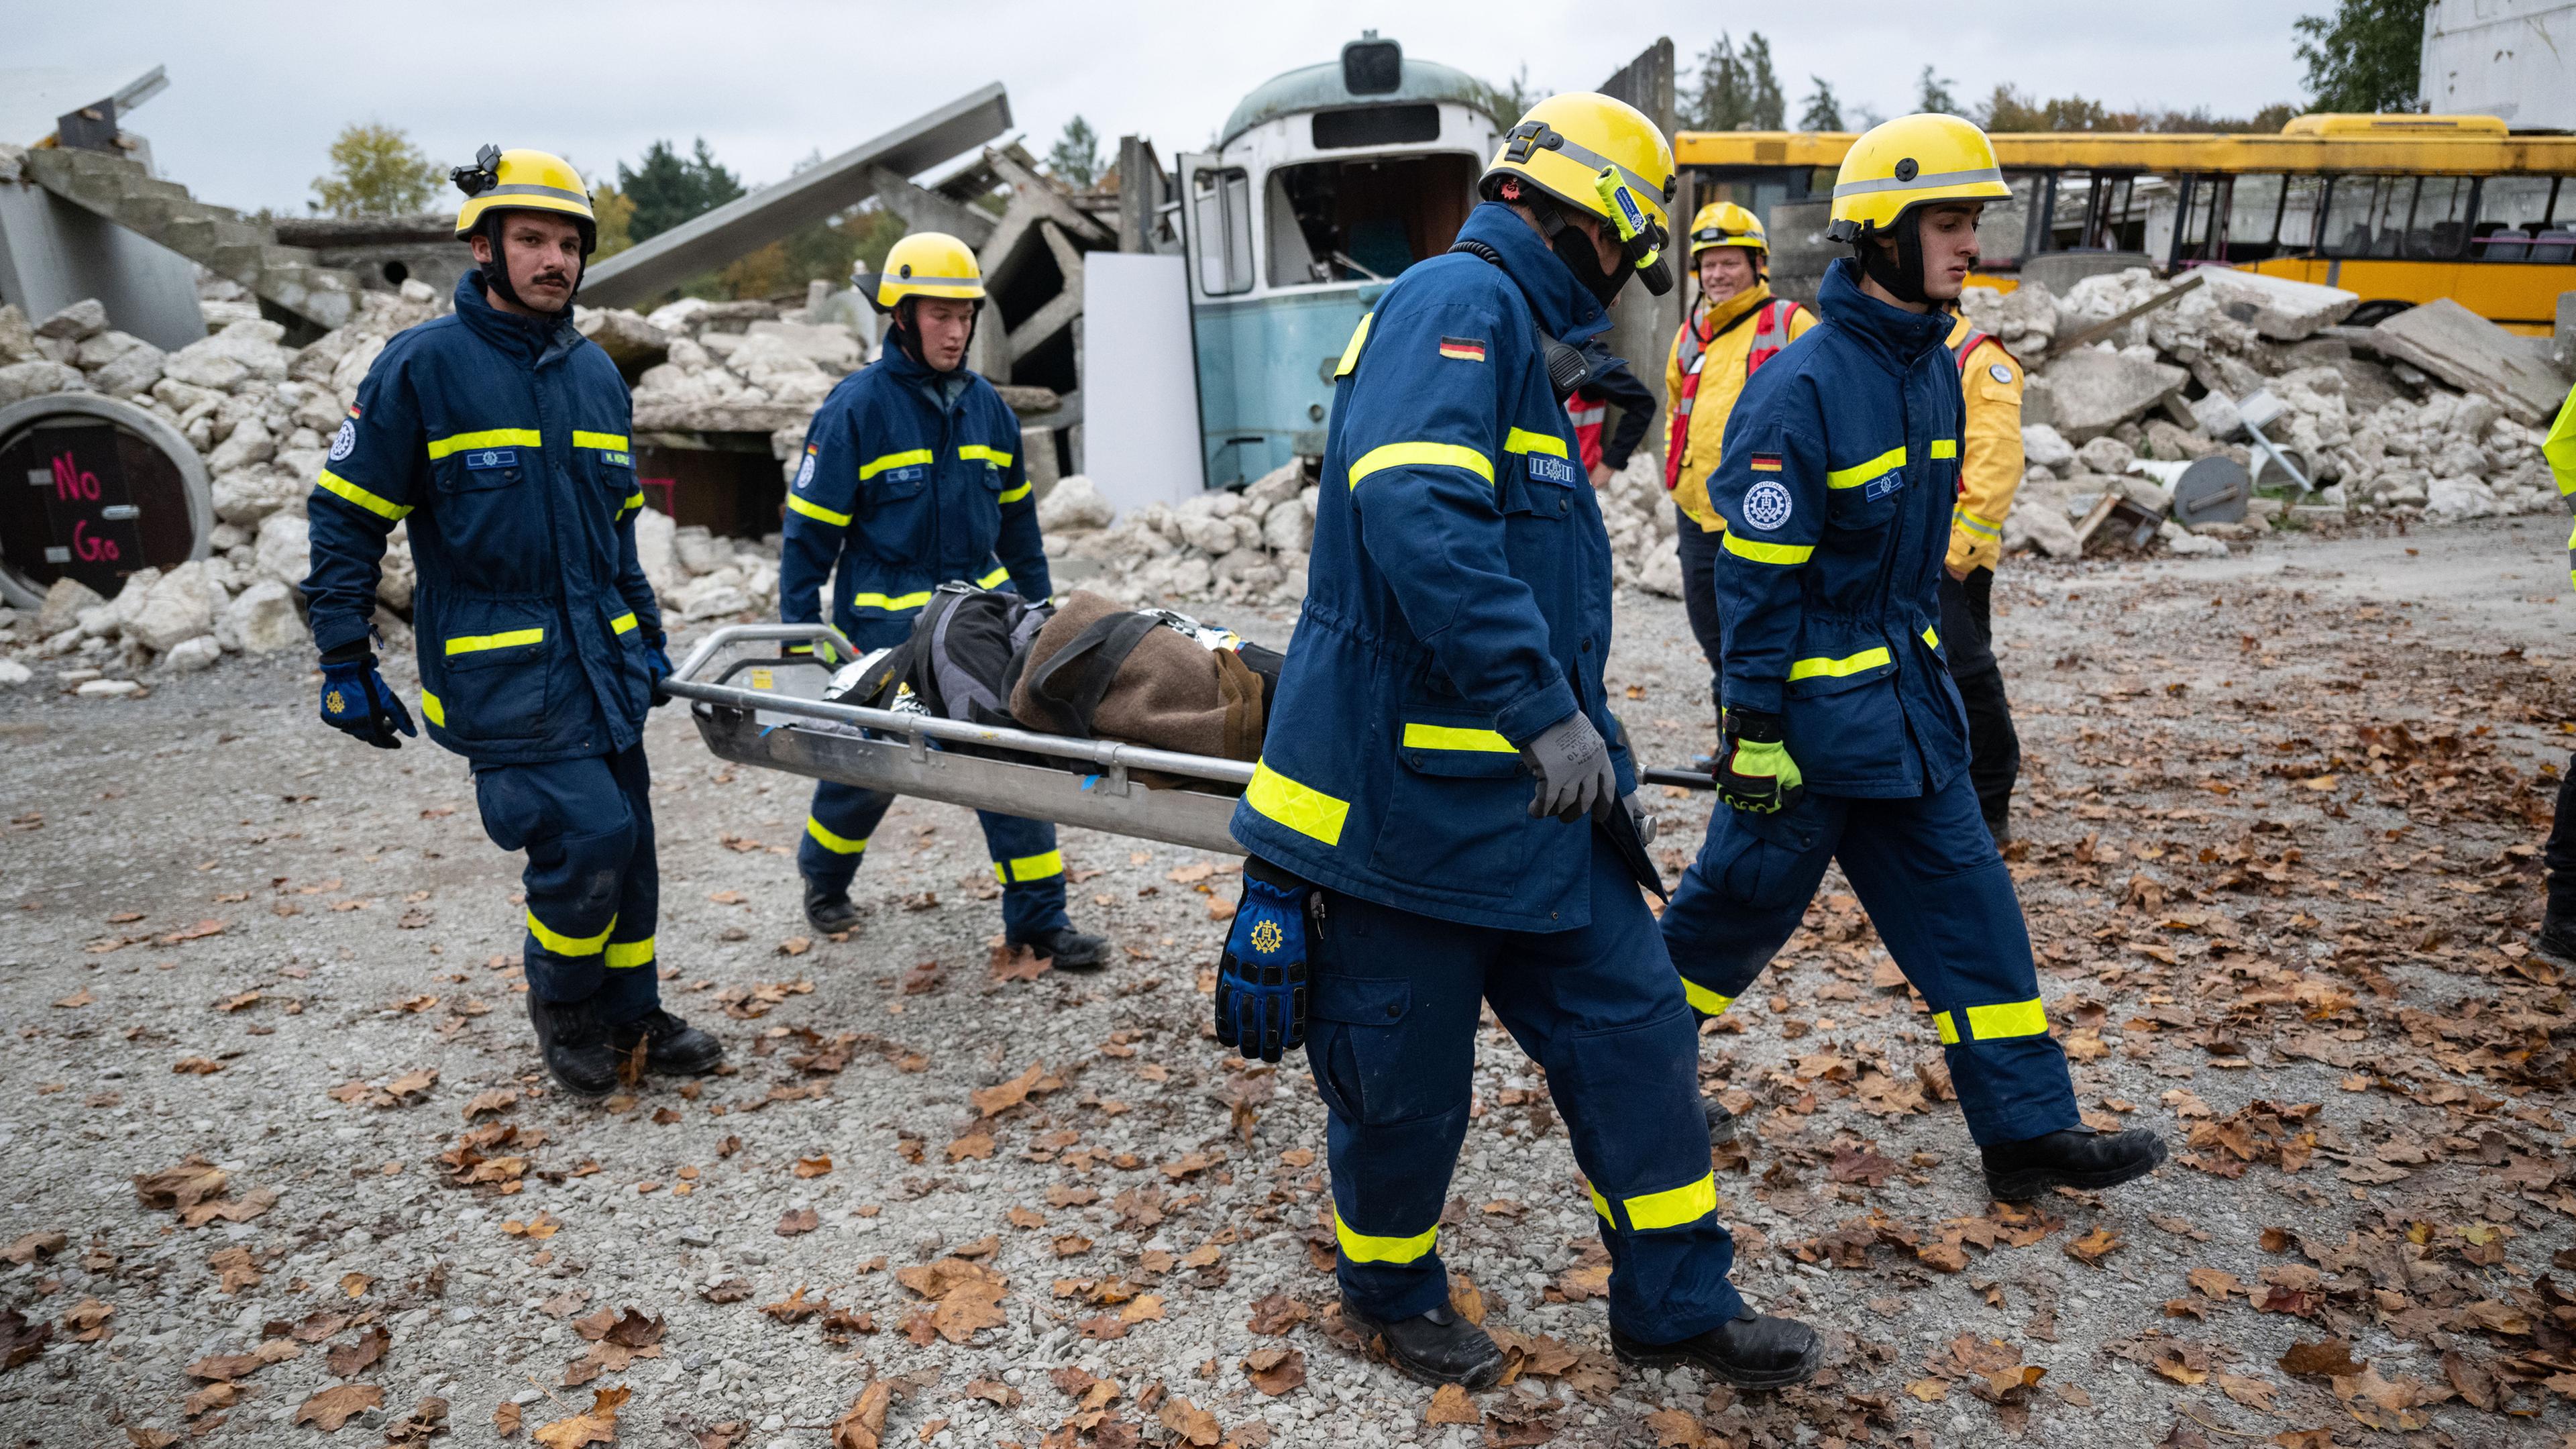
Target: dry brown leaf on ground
point(142, 1437)
point(31, 1246)
point(1678, 1429)
point(332, 1407)
point(2330, 1359)
point(595, 1425)
point(994, 1392)
point(1466, 1299)
point(87, 1322)
point(19, 1339)
point(235, 1268)
point(1277, 1313)
point(427, 1419)
point(2213, 1283)
point(797, 1220)
point(179, 1188)
point(1450, 1405)
point(495, 1101)
point(351, 1359)
point(863, 1425)
point(1275, 1371)
point(2094, 1246)
point(196, 1066)
point(505, 1419)
point(2253, 1393)
point(813, 1166)
point(1194, 1426)
point(796, 1307)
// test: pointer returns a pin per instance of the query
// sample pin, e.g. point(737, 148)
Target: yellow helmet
point(1912, 161)
point(523, 181)
point(1602, 156)
point(1725, 224)
point(929, 264)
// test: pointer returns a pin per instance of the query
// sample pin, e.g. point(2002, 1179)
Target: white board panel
point(1139, 380)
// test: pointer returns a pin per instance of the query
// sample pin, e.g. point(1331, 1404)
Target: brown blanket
point(1171, 693)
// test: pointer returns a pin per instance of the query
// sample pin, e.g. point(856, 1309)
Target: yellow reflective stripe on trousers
point(1996, 1022)
point(1421, 455)
point(978, 453)
point(488, 438)
point(1029, 867)
point(605, 442)
point(1521, 440)
point(1703, 999)
point(1302, 808)
point(995, 579)
point(1859, 473)
point(1839, 668)
point(631, 953)
point(432, 710)
point(837, 844)
point(1790, 554)
point(817, 511)
point(1361, 1247)
point(1945, 448)
point(477, 643)
point(874, 466)
point(623, 624)
point(1446, 737)
point(563, 945)
point(1014, 495)
point(339, 487)
point(1670, 1208)
point(1972, 523)
point(1351, 354)
point(891, 602)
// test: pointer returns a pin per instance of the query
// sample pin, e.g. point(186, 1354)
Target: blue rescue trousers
point(1392, 1041)
point(1025, 859)
point(594, 884)
point(1929, 875)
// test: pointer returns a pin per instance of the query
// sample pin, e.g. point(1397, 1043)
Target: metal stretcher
point(755, 708)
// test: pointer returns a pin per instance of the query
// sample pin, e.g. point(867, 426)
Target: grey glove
point(1572, 763)
point(1641, 817)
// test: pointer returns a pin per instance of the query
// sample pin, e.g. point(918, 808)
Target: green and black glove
point(1754, 771)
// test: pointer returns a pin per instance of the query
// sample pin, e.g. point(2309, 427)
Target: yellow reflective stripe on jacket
point(1361, 1247)
point(1931, 636)
point(995, 579)
point(874, 466)
point(1839, 668)
point(477, 643)
point(1302, 808)
point(978, 453)
point(432, 710)
point(1859, 473)
point(1427, 455)
point(623, 623)
point(339, 487)
point(1029, 867)
point(634, 501)
point(890, 602)
point(563, 945)
point(817, 511)
point(1522, 440)
point(1014, 495)
point(1945, 447)
point(605, 442)
point(1770, 553)
point(1667, 1209)
point(1448, 737)
point(630, 953)
point(1359, 339)
point(1705, 1000)
point(488, 438)
point(1993, 1023)
point(1962, 518)
point(837, 844)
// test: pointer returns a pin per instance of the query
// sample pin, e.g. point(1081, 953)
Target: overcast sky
point(258, 89)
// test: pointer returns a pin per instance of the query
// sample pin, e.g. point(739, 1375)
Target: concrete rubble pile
point(2423, 416)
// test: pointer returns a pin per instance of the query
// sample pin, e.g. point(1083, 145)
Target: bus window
point(1222, 214)
point(2301, 196)
point(2251, 217)
point(2003, 229)
point(2366, 215)
point(2439, 228)
point(1365, 220)
point(2512, 210)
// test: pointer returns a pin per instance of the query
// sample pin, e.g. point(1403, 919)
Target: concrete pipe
point(94, 489)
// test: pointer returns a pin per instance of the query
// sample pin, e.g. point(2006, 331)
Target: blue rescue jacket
point(502, 440)
point(911, 478)
point(1458, 603)
point(1840, 468)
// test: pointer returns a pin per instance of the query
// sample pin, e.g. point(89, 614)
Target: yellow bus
point(2398, 208)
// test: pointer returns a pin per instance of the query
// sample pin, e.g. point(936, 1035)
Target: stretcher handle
point(1108, 755)
point(1687, 779)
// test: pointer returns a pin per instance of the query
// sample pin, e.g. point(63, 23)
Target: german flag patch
point(1766, 463)
point(1465, 349)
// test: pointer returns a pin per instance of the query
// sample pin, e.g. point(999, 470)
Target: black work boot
point(1750, 1351)
point(575, 1045)
point(1721, 1122)
point(1437, 1347)
point(2556, 937)
point(830, 911)
point(2077, 1157)
point(1071, 949)
point(671, 1046)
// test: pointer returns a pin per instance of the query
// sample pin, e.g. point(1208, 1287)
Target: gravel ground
point(2277, 843)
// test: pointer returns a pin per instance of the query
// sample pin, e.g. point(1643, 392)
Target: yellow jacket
point(1990, 471)
point(1721, 381)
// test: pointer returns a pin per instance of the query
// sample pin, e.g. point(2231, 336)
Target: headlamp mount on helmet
point(480, 177)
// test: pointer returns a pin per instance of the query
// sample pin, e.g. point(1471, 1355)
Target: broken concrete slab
point(2277, 307)
point(631, 342)
point(2095, 391)
point(2473, 354)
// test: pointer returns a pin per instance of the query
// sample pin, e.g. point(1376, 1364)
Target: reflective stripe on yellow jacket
point(1990, 470)
point(1721, 381)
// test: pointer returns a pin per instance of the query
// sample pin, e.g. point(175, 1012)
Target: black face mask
point(1903, 276)
point(1575, 250)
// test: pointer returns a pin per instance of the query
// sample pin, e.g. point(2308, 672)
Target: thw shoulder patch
point(1464, 349)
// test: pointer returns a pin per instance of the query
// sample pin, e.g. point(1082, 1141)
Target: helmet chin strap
point(496, 272)
point(1902, 277)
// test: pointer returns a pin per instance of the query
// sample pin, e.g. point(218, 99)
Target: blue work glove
point(657, 662)
point(1261, 981)
point(356, 700)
